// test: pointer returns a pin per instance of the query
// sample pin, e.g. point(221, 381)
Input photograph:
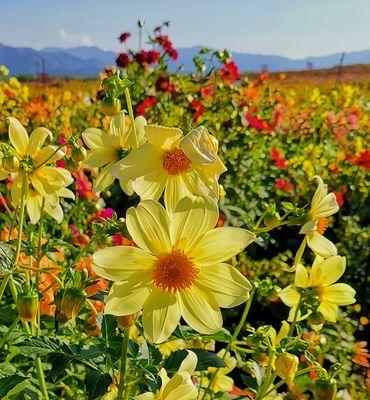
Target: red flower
point(341, 195)
point(197, 108)
point(173, 53)
point(163, 84)
point(124, 37)
point(84, 186)
point(164, 42)
point(282, 185)
point(230, 72)
point(123, 60)
point(148, 103)
point(363, 160)
point(145, 57)
point(279, 160)
point(258, 124)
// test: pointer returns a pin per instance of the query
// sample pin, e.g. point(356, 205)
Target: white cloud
point(74, 39)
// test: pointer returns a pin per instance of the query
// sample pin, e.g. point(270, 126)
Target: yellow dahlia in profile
point(172, 163)
point(31, 163)
point(106, 149)
point(178, 268)
point(322, 277)
point(179, 387)
point(323, 205)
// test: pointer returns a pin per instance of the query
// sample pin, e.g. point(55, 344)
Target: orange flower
point(361, 354)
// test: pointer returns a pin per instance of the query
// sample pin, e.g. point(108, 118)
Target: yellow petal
point(327, 271)
point(193, 217)
point(189, 363)
point(220, 244)
point(93, 138)
point(99, 157)
point(329, 311)
point(148, 226)
point(289, 296)
point(197, 184)
point(55, 211)
point(119, 262)
point(198, 146)
point(151, 185)
point(18, 136)
point(215, 169)
point(33, 206)
point(161, 315)
point(140, 123)
point(180, 387)
point(227, 285)
point(126, 298)
point(175, 190)
point(339, 293)
point(146, 396)
point(326, 207)
point(37, 139)
point(200, 310)
point(49, 154)
point(138, 163)
point(161, 137)
point(301, 276)
point(104, 179)
point(321, 245)
point(118, 127)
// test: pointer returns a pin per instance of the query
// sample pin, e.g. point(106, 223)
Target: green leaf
point(6, 257)
point(40, 346)
point(97, 384)
point(8, 383)
point(59, 362)
point(108, 328)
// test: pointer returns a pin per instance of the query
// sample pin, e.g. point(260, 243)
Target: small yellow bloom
point(174, 164)
point(180, 386)
point(286, 366)
point(323, 205)
point(106, 149)
point(178, 270)
point(322, 277)
point(43, 181)
point(221, 382)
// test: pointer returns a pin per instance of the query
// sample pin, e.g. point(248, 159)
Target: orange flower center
point(321, 225)
point(175, 162)
point(174, 271)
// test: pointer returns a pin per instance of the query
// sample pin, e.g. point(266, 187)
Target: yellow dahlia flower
point(323, 205)
point(179, 387)
point(108, 148)
point(176, 164)
point(322, 277)
point(33, 162)
point(178, 270)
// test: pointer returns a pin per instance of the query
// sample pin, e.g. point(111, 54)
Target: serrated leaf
point(97, 384)
point(8, 383)
point(6, 257)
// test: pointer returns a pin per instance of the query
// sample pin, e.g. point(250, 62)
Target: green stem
point(131, 115)
point(122, 386)
point(234, 336)
point(3, 285)
point(267, 379)
point(84, 250)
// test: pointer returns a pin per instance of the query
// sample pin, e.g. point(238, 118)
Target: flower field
point(170, 235)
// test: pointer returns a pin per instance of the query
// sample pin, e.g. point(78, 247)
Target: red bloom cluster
point(258, 124)
point(197, 109)
point(280, 161)
point(146, 57)
point(167, 46)
point(341, 195)
point(230, 72)
point(148, 103)
point(123, 60)
point(363, 160)
point(164, 84)
point(124, 37)
point(283, 185)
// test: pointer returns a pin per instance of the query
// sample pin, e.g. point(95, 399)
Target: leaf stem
point(122, 382)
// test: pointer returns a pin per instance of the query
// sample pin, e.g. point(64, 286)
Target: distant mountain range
point(85, 61)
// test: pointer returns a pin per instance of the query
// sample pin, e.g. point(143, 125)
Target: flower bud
point(110, 106)
point(79, 154)
point(272, 220)
point(316, 318)
point(287, 366)
point(325, 389)
point(126, 321)
point(27, 306)
point(69, 302)
point(10, 163)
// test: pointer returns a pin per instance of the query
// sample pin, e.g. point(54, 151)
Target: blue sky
point(293, 28)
